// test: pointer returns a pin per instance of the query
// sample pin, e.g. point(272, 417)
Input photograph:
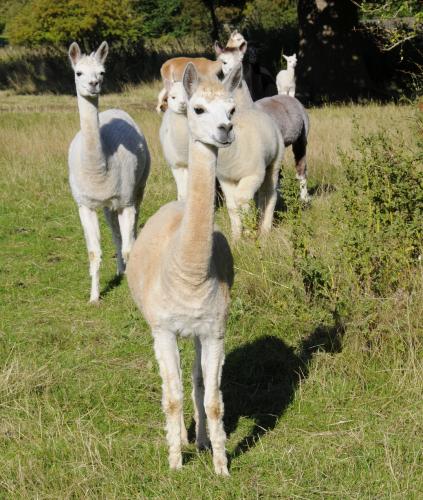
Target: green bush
point(59, 22)
point(381, 211)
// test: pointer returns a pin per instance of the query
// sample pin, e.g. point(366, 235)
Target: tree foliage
point(58, 22)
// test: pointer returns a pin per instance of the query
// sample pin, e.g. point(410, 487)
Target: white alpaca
point(174, 135)
point(285, 79)
point(230, 57)
point(109, 163)
point(180, 272)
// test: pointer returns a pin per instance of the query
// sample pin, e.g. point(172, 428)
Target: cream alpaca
point(174, 136)
point(109, 164)
point(173, 69)
point(181, 270)
point(285, 79)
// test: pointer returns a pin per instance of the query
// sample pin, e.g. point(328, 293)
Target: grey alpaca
point(293, 123)
point(109, 163)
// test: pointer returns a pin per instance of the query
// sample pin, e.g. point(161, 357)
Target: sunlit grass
point(312, 411)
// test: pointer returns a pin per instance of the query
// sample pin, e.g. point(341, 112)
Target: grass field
point(318, 403)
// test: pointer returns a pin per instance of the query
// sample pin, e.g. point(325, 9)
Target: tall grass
point(323, 378)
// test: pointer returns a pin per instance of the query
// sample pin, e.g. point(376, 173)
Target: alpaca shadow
point(260, 379)
point(111, 285)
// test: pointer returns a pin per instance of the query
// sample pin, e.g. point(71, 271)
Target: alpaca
point(181, 270)
point(251, 165)
point(293, 123)
point(174, 136)
point(173, 69)
point(258, 81)
point(109, 163)
point(285, 79)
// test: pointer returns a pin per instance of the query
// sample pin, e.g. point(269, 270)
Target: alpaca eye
point(231, 112)
point(78, 73)
point(102, 73)
point(199, 111)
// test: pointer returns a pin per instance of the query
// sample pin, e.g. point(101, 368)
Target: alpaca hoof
point(221, 468)
point(175, 463)
point(203, 444)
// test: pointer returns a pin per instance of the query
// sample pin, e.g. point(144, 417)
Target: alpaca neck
point(93, 158)
point(291, 72)
point(242, 96)
point(196, 231)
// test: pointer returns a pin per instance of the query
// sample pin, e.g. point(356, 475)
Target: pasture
point(322, 383)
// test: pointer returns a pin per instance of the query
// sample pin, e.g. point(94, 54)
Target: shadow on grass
point(260, 379)
point(111, 284)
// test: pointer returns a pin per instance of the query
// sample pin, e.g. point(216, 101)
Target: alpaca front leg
point(89, 223)
point(127, 221)
point(244, 194)
point(113, 221)
point(228, 189)
point(212, 361)
point(167, 354)
point(181, 178)
point(201, 439)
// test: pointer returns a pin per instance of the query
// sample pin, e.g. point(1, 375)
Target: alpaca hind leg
point(299, 148)
point(113, 221)
point(212, 359)
point(91, 228)
point(201, 439)
point(268, 196)
point(167, 355)
point(127, 223)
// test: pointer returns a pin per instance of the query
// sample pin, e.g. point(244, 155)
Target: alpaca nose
point(225, 127)
point(93, 82)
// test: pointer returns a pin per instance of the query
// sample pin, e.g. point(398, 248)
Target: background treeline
point(143, 33)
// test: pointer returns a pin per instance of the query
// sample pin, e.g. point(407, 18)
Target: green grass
point(316, 406)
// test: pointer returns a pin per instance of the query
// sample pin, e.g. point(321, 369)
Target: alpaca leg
point(245, 191)
point(127, 223)
point(181, 178)
point(212, 361)
point(299, 148)
point(167, 354)
point(268, 196)
point(113, 221)
point(228, 189)
point(198, 399)
point(89, 223)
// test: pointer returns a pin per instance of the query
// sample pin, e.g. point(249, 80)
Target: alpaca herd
point(180, 268)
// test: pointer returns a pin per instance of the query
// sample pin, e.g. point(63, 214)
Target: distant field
point(316, 405)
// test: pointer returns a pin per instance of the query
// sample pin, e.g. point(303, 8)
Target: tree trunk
point(330, 65)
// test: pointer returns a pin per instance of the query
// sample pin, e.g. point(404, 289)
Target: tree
point(330, 60)
point(58, 22)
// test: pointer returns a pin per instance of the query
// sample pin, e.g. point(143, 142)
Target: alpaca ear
point(217, 48)
point(243, 48)
point(167, 84)
point(74, 54)
point(285, 57)
point(234, 32)
point(102, 51)
point(190, 80)
point(234, 79)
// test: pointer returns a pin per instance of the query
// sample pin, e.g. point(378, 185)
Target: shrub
point(381, 211)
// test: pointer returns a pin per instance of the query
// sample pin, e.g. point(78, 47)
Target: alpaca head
point(176, 96)
point(235, 40)
point(230, 57)
point(211, 106)
point(89, 70)
point(291, 61)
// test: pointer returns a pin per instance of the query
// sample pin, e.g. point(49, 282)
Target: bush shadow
point(260, 379)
